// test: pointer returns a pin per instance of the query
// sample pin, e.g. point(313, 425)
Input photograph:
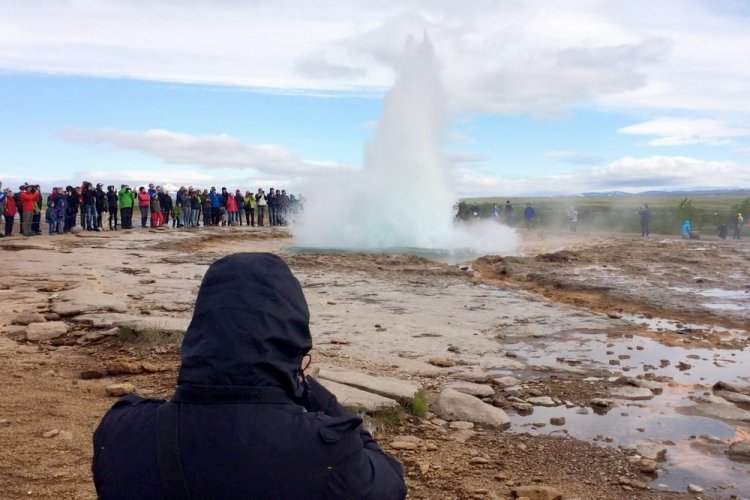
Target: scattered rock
point(479, 460)
point(442, 362)
point(50, 316)
point(122, 389)
point(93, 373)
point(462, 435)
point(479, 390)
point(694, 488)
point(633, 483)
point(514, 390)
point(455, 405)
point(51, 433)
point(523, 408)
point(734, 397)
point(541, 401)
point(536, 492)
point(404, 445)
point(4, 421)
point(631, 393)
point(728, 386)
point(460, 424)
point(28, 317)
point(740, 450)
point(152, 368)
point(46, 331)
point(124, 367)
point(15, 332)
point(652, 451)
point(647, 465)
point(602, 403)
point(504, 382)
point(557, 420)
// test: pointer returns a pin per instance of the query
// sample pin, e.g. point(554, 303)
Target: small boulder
point(122, 367)
point(541, 401)
point(46, 331)
point(28, 317)
point(740, 450)
point(442, 362)
point(123, 389)
point(504, 382)
point(93, 373)
point(536, 492)
point(454, 405)
point(631, 393)
point(652, 452)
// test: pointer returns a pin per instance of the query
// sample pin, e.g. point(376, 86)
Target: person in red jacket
point(28, 199)
point(144, 203)
point(10, 212)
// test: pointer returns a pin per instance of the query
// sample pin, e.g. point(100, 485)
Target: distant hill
point(687, 193)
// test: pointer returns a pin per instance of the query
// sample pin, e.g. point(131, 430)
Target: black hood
point(250, 327)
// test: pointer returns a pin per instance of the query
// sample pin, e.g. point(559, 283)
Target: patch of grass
point(382, 420)
point(148, 337)
point(419, 405)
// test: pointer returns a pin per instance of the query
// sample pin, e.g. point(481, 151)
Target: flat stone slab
point(166, 324)
point(84, 299)
point(479, 390)
point(46, 331)
point(356, 399)
point(723, 411)
point(734, 397)
point(541, 401)
point(454, 405)
point(632, 393)
point(388, 387)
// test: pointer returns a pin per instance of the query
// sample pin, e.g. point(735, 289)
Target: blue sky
point(545, 97)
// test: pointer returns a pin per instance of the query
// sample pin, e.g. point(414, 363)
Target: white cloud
point(504, 56)
point(574, 158)
point(211, 151)
point(626, 174)
point(684, 131)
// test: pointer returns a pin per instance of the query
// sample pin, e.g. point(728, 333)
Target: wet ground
point(573, 317)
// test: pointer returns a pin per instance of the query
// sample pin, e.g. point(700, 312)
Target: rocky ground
point(585, 367)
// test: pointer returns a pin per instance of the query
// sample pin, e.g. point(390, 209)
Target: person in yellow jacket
point(250, 205)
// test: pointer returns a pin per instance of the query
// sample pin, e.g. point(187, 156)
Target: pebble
point(557, 420)
point(442, 362)
point(694, 488)
point(93, 373)
point(541, 401)
point(460, 424)
point(479, 460)
point(537, 492)
point(118, 390)
point(51, 433)
point(404, 445)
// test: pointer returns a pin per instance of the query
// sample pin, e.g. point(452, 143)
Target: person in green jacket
point(126, 197)
point(250, 208)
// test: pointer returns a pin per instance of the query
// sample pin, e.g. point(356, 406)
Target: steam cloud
point(403, 197)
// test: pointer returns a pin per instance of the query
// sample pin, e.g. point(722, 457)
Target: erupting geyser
point(403, 197)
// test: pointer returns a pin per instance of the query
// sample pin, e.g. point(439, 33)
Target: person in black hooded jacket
point(244, 421)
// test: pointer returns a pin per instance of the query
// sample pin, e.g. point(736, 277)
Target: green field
point(620, 213)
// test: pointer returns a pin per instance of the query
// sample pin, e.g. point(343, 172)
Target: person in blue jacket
point(686, 229)
point(245, 421)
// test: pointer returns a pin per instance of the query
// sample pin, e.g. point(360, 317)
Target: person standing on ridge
point(645, 216)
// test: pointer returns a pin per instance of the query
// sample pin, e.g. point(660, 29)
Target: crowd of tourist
point(97, 209)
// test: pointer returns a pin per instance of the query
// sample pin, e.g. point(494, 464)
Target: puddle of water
point(635, 422)
point(724, 306)
point(732, 300)
point(663, 324)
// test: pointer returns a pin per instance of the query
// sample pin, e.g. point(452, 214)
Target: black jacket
point(247, 427)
